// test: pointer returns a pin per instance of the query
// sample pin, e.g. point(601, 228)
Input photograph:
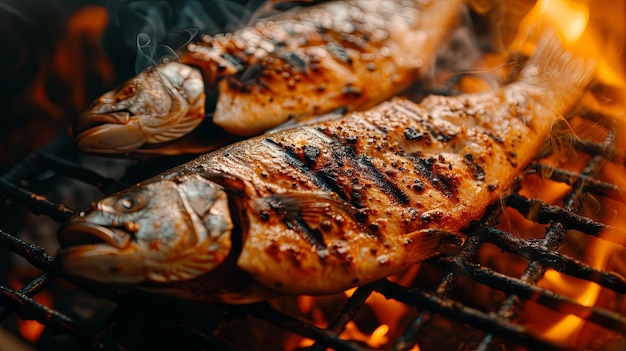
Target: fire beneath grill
point(544, 268)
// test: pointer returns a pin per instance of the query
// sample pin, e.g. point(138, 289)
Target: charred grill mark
point(346, 150)
point(313, 236)
point(413, 134)
point(438, 134)
point(425, 166)
point(477, 171)
point(381, 181)
point(294, 60)
point(236, 61)
point(325, 179)
point(338, 52)
point(495, 138)
point(311, 153)
point(330, 177)
point(251, 74)
point(351, 91)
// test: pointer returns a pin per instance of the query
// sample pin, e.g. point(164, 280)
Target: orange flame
point(595, 30)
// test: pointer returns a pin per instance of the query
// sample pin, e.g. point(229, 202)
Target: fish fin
point(557, 73)
point(426, 243)
point(312, 215)
point(307, 205)
point(230, 183)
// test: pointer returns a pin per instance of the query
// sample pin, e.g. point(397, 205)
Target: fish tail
point(556, 77)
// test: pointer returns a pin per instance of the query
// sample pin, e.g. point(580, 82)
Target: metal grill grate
point(496, 326)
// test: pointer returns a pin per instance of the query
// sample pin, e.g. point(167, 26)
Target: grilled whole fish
point(322, 208)
point(308, 61)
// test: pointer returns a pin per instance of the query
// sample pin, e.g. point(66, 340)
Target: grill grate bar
point(330, 339)
point(76, 171)
point(540, 212)
point(409, 337)
point(592, 186)
point(35, 255)
point(554, 301)
point(35, 203)
point(348, 311)
point(457, 311)
point(28, 308)
point(533, 251)
point(31, 289)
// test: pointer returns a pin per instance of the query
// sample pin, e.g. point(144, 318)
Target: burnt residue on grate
point(138, 322)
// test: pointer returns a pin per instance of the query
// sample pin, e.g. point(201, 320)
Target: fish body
point(305, 62)
point(321, 208)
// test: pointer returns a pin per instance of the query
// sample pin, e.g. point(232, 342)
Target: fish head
point(161, 104)
point(161, 232)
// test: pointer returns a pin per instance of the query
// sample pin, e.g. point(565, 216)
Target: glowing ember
point(30, 330)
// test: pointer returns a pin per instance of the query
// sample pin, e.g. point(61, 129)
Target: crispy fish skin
point(305, 62)
point(322, 208)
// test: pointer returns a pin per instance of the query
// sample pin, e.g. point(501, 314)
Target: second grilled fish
point(307, 61)
point(319, 209)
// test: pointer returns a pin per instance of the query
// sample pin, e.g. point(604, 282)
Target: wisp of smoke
point(157, 29)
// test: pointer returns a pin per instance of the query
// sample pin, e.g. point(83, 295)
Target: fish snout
point(79, 232)
point(91, 120)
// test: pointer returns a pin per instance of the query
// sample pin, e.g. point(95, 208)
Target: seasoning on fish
point(304, 62)
point(322, 208)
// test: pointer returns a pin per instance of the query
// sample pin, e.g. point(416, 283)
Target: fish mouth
point(80, 234)
point(89, 121)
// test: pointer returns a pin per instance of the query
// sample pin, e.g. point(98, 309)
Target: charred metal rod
point(348, 312)
point(534, 251)
point(407, 340)
point(30, 309)
point(551, 300)
point(36, 255)
point(538, 211)
point(35, 203)
point(454, 310)
point(71, 169)
point(329, 339)
point(30, 289)
point(592, 185)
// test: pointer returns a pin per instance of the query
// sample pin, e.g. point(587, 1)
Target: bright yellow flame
point(377, 339)
point(585, 293)
point(305, 342)
point(586, 29)
point(379, 336)
point(570, 18)
point(349, 292)
point(30, 330)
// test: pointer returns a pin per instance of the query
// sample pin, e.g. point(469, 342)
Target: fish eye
point(129, 90)
point(130, 202)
